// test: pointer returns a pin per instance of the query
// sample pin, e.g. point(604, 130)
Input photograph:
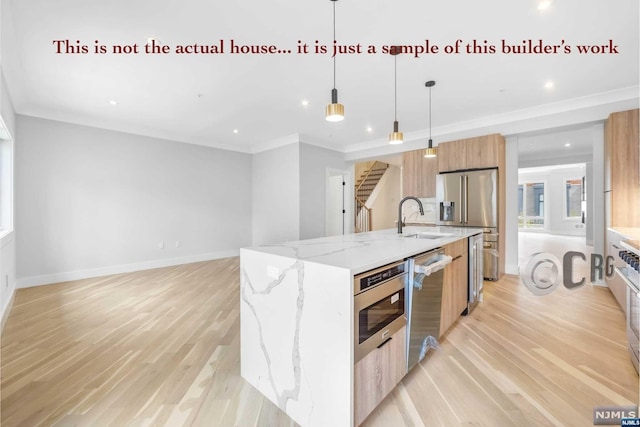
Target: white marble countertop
point(627, 232)
point(365, 251)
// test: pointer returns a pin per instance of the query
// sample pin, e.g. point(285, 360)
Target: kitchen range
point(629, 272)
point(329, 326)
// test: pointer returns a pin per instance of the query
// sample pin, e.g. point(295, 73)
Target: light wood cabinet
point(472, 153)
point(418, 174)
point(455, 285)
point(378, 373)
point(452, 156)
point(622, 173)
point(616, 284)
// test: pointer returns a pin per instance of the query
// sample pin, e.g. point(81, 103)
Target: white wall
point(7, 242)
point(597, 196)
point(384, 209)
point(289, 192)
point(555, 190)
point(511, 206)
point(314, 162)
point(276, 195)
point(92, 202)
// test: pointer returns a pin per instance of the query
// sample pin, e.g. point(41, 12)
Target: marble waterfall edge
point(295, 323)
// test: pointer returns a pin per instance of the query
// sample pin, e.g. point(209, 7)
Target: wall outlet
point(161, 245)
point(178, 243)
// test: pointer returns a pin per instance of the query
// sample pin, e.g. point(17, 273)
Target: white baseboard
point(7, 310)
point(511, 269)
point(48, 279)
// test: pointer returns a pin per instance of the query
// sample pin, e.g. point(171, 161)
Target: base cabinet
point(377, 373)
point(616, 284)
point(455, 291)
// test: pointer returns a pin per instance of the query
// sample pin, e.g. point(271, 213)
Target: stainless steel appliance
point(476, 268)
point(423, 303)
point(470, 199)
point(630, 254)
point(379, 306)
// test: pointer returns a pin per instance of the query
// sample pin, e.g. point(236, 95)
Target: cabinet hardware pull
point(459, 256)
point(384, 342)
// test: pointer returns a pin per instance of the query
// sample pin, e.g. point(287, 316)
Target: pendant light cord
point(429, 113)
point(334, 40)
point(395, 87)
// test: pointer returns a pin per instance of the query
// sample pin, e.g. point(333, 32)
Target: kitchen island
point(297, 316)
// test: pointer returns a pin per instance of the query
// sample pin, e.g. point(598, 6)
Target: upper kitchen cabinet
point(418, 174)
point(622, 173)
point(472, 153)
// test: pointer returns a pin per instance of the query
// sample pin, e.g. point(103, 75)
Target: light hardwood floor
point(161, 347)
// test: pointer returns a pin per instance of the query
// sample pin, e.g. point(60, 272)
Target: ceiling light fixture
point(430, 151)
point(544, 4)
point(567, 145)
point(113, 102)
point(548, 85)
point(305, 103)
point(335, 110)
point(235, 131)
point(395, 137)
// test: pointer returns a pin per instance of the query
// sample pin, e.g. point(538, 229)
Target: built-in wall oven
point(630, 255)
point(379, 306)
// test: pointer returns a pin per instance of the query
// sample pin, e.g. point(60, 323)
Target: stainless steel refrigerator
point(470, 199)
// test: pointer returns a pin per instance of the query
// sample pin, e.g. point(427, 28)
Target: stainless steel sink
point(427, 235)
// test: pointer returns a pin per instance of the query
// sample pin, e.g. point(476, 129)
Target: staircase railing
point(364, 220)
point(364, 214)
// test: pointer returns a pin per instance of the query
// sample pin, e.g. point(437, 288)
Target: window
point(531, 205)
point(574, 193)
point(6, 180)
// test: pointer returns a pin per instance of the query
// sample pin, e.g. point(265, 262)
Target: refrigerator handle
point(466, 199)
point(462, 199)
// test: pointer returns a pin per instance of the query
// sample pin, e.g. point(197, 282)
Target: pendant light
point(395, 137)
point(430, 151)
point(335, 110)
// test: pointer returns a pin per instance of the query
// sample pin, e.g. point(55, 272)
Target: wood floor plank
point(161, 348)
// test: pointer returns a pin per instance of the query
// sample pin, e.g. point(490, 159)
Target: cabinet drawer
point(377, 373)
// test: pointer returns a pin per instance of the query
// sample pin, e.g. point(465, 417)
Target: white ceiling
point(261, 95)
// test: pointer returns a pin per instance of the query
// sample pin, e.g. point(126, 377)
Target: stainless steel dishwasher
point(424, 299)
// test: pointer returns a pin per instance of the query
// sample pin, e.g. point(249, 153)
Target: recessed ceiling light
point(305, 103)
point(112, 102)
point(544, 4)
point(369, 129)
point(235, 131)
point(567, 145)
point(548, 85)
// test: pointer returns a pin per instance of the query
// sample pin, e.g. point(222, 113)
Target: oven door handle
point(436, 266)
point(630, 284)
